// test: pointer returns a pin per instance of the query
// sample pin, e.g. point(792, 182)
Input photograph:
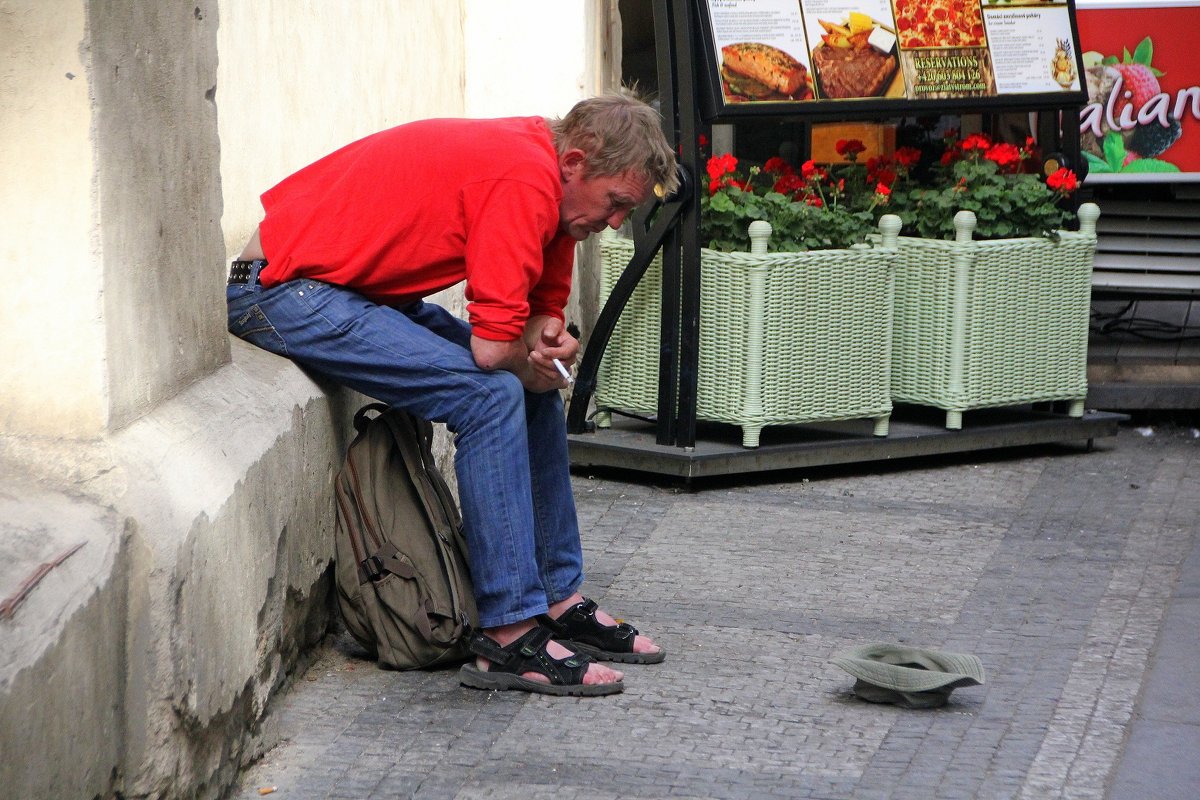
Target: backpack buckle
point(372, 567)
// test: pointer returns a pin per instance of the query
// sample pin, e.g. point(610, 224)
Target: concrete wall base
point(203, 581)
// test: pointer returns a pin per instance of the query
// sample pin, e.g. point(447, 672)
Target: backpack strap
point(362, 418)
point(439, 507)
point(385, 562)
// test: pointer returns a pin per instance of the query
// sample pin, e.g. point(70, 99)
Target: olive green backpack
point(402, 579)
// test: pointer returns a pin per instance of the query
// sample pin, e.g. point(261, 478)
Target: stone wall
point(195, 470)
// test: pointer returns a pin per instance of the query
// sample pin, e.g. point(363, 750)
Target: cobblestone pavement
point(1056, 567)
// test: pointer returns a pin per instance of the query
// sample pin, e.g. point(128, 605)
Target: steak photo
point(843, 72)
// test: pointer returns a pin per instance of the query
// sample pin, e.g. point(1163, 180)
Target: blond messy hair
point(618, 133)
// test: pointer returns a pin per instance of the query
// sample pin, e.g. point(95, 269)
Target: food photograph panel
point(871, 54)
point(853, 49)
point(762, 51)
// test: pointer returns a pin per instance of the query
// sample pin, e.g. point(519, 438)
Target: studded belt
point(246, 271)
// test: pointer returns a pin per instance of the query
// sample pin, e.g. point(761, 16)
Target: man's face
point(591, 204)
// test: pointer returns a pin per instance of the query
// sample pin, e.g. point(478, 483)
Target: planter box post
point(760, 234)
point(964, 227)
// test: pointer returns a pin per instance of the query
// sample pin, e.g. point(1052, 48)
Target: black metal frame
point(691, 99)
point(673, 226)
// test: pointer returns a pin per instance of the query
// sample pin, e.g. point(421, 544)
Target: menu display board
point(881, 52)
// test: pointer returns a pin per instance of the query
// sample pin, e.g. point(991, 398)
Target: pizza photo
point(753, 71)
point(939, 23)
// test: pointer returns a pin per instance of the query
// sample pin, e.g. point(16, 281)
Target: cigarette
point(563, 371)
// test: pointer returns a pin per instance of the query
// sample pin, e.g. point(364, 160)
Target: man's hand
point(547, 339)
point(531, 358)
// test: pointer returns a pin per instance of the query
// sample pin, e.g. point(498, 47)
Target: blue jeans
point(511, 447)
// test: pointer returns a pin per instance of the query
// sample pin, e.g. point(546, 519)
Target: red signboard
point(1142, 121)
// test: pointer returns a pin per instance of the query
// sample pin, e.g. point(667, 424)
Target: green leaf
point(721, 202)
point(1110, 61)
point(1096, 164)
point(1114, 150)
point(1144, 53)
point(1150, 165)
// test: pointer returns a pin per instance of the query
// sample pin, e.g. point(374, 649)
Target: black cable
point(1111, 324)
point(626, 414)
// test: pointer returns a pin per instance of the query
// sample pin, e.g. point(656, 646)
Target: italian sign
point(1142, 120)
point(772, 51)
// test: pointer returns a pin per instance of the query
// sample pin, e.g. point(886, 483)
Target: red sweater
point(415, 209)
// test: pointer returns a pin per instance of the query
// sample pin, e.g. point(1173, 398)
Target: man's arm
point(530, 358)
point(513, 357)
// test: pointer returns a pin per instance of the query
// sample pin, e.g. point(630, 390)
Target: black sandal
point(528, 654)
point(579, 627)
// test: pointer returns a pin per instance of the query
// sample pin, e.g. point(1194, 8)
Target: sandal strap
point(528, 654)
point(579, 623)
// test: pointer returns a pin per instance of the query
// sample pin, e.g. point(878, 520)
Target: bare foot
point(597, 673)
point(641, 644)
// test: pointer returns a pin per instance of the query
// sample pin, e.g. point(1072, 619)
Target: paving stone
point(1049, 566)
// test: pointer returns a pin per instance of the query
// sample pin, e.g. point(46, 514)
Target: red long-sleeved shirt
point(411, 210)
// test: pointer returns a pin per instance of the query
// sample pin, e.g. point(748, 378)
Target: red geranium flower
point(1063, 181)
point(777, 166)
point(1006, 156)
point(976, 141)
point(848, 148)
point(788, 184)
point(883, 174)
point(908, 156)
point(721, 165)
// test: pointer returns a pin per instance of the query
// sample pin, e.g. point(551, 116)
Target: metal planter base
point(915, 431)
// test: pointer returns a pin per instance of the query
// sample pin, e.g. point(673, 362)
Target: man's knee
point(494, 398)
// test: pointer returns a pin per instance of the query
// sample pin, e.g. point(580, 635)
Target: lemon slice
point(860, 22)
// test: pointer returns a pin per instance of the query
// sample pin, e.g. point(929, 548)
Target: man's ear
point(572, 163)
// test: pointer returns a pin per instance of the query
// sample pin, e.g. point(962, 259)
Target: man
point(334, 278)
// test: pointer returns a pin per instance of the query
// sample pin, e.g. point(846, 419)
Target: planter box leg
point(750, 435)
point(954, 420)
point(881, 425)
point(603, 419)
point(1075, 409)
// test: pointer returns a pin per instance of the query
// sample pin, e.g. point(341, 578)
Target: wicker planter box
point(981, 324)
point(785, 338)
